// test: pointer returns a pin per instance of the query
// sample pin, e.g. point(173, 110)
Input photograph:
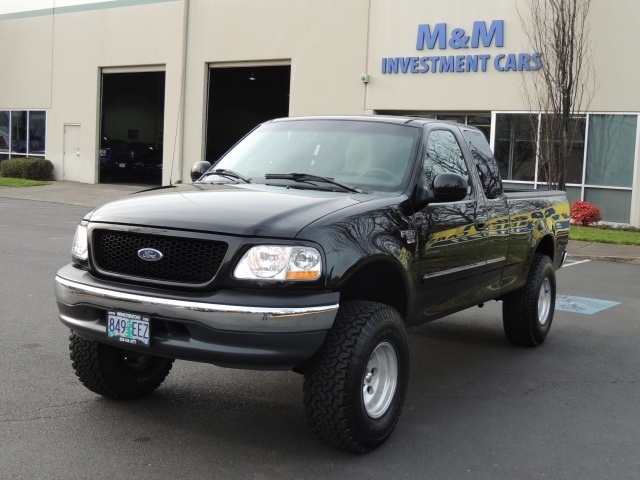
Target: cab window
point(485, 163)
point(444, 155)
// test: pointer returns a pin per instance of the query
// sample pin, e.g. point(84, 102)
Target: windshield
point(367, 155)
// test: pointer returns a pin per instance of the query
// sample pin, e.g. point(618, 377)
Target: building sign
point(467, 53)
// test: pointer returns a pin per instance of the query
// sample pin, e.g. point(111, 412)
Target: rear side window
point(443, 155)
point(485, 163)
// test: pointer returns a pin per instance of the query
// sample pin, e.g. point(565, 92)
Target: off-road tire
point(527, 313)
point(336, 381)
point(116, 373)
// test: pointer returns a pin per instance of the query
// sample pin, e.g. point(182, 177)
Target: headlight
point(79, 249)
point(275, 262)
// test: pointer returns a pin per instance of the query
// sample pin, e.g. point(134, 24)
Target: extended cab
point(312, 245)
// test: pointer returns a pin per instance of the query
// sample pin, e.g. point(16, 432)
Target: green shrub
point(29, 168)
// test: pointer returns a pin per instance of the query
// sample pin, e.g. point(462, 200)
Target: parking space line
point(571, 263)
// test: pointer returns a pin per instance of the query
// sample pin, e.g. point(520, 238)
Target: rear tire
point(116, 373)
point(355, 387)
point(527, 313)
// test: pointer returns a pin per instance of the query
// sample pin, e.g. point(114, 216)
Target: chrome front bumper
point(227, 328)
point(235, 318)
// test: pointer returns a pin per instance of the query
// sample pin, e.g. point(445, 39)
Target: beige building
point(138, 90)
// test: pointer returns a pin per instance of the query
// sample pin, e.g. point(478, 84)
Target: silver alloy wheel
point(380, 380)
point(544, 302)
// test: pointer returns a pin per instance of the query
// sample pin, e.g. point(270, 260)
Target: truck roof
point(398, 120)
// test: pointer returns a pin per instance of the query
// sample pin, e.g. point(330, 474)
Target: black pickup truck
point(312, 245)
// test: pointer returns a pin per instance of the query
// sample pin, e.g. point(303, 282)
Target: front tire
point(355, 388)
point(527, 313)
point(116, 373)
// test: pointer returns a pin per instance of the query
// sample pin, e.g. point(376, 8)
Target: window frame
point(583, 186)
point(10, 153)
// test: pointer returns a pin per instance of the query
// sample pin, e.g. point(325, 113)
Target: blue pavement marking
point(588, 306)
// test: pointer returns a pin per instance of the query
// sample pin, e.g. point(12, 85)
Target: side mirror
point(198, 169)
point(446, 187)
point(449, 187)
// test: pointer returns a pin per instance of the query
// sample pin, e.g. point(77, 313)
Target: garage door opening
point(132, 119)
point(239, 99)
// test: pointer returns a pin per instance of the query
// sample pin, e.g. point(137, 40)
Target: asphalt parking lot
point(477, 407)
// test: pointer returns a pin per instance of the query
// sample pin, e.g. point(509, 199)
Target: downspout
point(183, 82)
point(366, 63)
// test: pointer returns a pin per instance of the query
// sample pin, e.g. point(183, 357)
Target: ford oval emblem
point(149, 254)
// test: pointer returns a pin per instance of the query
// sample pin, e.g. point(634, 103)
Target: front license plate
point(122, 165)
point(128, 328)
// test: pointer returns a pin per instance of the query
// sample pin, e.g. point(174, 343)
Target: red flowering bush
point(583, 213)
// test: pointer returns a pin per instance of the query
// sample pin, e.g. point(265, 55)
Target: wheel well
point(377, 282)
point(546, 246)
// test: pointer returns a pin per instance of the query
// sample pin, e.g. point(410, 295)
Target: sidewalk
point(605, 252)
point(75, 193)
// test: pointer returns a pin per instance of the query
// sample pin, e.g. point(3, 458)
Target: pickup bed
point(312, 245)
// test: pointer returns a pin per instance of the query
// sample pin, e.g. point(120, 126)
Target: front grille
point(184, 260)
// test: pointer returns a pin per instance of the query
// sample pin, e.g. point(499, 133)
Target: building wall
point(77, 45)
point(53, 62)
point(25, 63)
point(86, 42)
point(394, 33)
point(613, 27)
point(324, 42)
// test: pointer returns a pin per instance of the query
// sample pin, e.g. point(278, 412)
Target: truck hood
point(246, 210)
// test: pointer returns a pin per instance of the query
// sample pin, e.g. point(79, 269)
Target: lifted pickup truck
point(312, 245)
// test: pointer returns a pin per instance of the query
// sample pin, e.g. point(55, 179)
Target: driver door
point(451, 237)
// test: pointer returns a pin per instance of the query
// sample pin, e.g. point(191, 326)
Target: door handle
point(481, 225)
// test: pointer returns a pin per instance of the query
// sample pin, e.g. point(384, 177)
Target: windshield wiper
point(307, 177)
point(223, 172)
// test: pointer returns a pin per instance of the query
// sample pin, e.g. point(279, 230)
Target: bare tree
point(564, 86)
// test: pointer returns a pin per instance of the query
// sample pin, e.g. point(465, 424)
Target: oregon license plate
point(128, 328)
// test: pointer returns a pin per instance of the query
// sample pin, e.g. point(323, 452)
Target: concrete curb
point(630, 260)
point(604, 252)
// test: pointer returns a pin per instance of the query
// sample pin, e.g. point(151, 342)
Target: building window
point(610, 163)
point(481, 121)
point(22, 133)
point(615, 205)
point(18, 132)
point(600, 172)
point(515, 146)
point(612, 145)
point(575, 164)
point(5, 137)
point(37, 128)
